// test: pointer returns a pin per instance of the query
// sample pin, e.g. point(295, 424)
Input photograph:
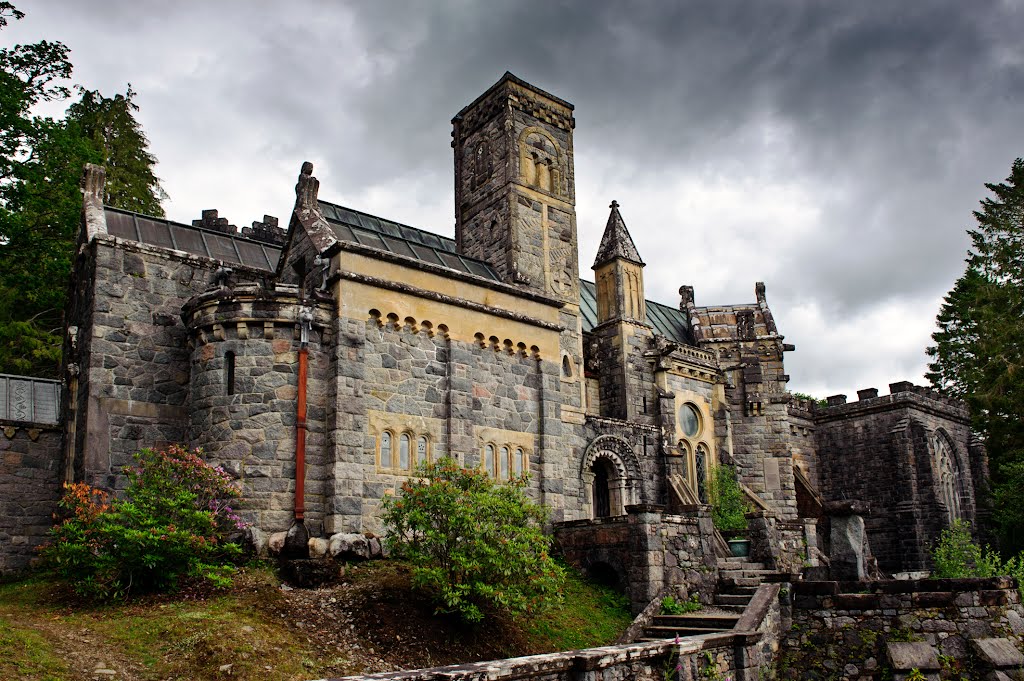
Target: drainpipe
point(72, 431)
point(296, 544)
point(306, 317)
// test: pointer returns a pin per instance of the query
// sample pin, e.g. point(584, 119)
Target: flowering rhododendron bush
point(172, 521)
point(473, 543)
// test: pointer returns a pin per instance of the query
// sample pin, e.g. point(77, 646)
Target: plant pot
point(739, 548)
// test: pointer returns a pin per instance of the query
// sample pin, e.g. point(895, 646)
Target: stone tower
point(514, 187)
point(515, 205)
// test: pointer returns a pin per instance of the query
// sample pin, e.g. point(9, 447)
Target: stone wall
point(30, 475)
point(840, 630)
point(882, 451)
point(401, 377)
point(132, 351)
point(647, 551)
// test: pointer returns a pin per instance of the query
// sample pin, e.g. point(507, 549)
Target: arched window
point(701, 462)
point(684, 451)
point(518, 462)
point(947, 478)
point(566, 366)
point(421, 450)
point(386, 450)
point(403, 451)
point(489, 460)
point(503, 462)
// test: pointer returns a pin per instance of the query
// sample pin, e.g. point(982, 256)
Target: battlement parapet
point(901, 394)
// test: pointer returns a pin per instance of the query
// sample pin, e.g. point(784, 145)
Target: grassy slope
point(253, 627)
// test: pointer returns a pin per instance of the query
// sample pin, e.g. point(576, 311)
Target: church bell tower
point(515, 191)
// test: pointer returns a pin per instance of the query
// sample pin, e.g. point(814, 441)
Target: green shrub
point(473, 543)
point(729, 505)
point(671, 606)
point(172, 521)
point(956, 555)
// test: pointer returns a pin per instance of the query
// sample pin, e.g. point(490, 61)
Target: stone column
point(647, 572)
point(849, 551)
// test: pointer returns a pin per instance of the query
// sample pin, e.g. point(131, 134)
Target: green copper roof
point(667, 321)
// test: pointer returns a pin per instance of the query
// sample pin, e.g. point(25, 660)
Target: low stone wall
point(840, 629)
point(30, 460)
point(740, 655)
point(649, 551)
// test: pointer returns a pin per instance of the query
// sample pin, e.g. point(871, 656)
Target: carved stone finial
point(613, 204)
point(759, 291)
point(307, 188)
point(685, 296)
point(93, 183)
point(94, 179)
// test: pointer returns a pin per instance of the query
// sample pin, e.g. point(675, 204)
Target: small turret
point(619, 273)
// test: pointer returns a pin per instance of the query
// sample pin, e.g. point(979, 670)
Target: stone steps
point(739, 564)
point(740, 583)
point(744, 574)
point(669, 626)
point(733, 599)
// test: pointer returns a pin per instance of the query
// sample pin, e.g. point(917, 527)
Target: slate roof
point(231, 248)
point(369, 230)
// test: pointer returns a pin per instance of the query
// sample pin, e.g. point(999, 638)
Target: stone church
point(319, 364)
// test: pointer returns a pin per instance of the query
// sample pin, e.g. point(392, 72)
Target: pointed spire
point(616, 242)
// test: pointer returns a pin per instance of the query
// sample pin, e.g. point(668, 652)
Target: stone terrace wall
point(30, 461)
point(839, 630)
point(648, 551)
point(741, 655)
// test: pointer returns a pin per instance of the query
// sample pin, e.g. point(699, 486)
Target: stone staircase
point(738, 579)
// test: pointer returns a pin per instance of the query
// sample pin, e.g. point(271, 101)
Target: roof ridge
point(232, 235)
point(400, 224)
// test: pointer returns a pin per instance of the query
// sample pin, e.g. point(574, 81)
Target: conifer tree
point(41, 162)
point(979, 347)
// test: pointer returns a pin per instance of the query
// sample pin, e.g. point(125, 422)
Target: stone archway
point(610, 472)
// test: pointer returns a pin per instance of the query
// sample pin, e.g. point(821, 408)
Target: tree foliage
point(41, 162)
point(474, 544)
point(172, 521)
point(978, 354)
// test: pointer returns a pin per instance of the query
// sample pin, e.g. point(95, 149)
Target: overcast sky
point(833, 150)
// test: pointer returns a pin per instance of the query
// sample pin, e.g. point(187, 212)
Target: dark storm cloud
point(895, 112)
